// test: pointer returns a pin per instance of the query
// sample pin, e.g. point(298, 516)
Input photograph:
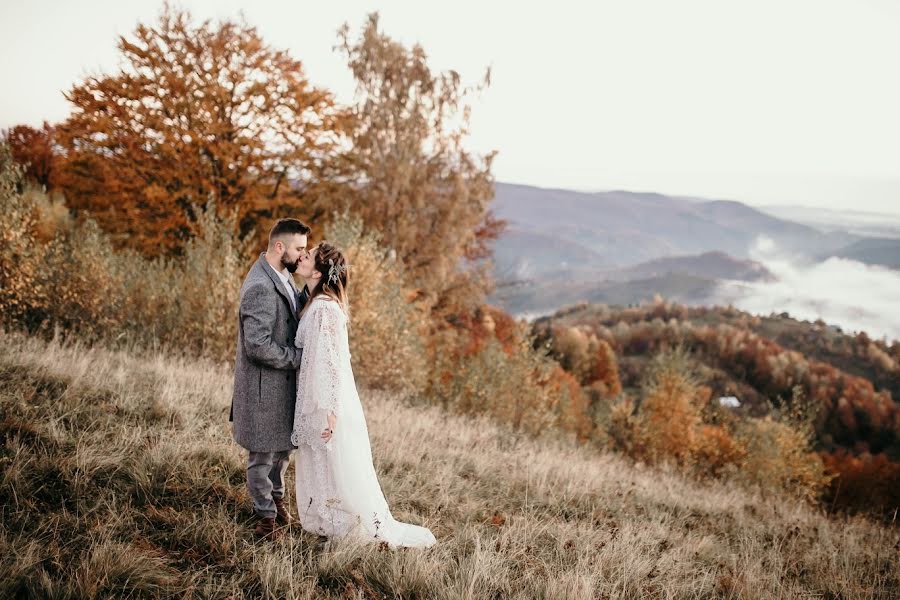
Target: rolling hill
point(119, 478)
point(685, 279)
point(618, 247)
point(625, 228)
point(884, 252)
point(710, 265)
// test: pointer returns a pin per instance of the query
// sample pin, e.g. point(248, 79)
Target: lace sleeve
point(328, 326)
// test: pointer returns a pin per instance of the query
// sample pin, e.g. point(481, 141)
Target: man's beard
point(290, 266)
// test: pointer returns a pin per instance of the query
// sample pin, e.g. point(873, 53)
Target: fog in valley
point(852, 295)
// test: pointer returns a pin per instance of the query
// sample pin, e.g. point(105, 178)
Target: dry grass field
point(119, 478)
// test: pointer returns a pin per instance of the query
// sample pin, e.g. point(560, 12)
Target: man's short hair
point(286, 227)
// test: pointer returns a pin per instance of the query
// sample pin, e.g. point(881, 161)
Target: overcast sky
point(764, 101)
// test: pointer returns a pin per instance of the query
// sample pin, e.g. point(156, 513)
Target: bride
point(338, 494)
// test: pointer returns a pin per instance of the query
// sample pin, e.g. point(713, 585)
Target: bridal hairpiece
point(335, 271)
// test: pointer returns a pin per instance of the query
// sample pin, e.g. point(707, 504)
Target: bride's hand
point(328, 431)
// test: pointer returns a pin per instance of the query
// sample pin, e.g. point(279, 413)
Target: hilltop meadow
point(120, 479)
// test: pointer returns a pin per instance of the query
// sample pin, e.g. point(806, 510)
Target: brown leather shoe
point(267, 529)
point(284, 515)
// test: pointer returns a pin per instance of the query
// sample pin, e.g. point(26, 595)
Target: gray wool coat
point(265, 371)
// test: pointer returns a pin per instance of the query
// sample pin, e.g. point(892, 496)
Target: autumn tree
point(408, 173)
point(606, 371)
point(33, 149)
point(197, 111)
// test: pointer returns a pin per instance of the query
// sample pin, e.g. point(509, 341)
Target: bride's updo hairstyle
point(330, 262)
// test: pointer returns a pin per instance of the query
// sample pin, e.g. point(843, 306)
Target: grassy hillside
point(118, 477)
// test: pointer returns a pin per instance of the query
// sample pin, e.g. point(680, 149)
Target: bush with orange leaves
point(569, 403)
point(868, 482)
point(586, 356)
point(664, 426)
point(716, 451)
point(48, 273)
point(571, 347)
point(605, 377)
point(780, 458)
point(774, 453)
point(474, 372)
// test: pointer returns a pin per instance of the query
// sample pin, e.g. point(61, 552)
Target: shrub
point(870, 482)
point(571, 347)
point(670, 411)
point(387, 329)
point(623, 430)
point(17, 231)
point(204, 285)
point(571, 405)
point(587, 357)
point(62, 274)
point(510, 382)
point(606, 370)
point(716, 452)
point(779, 458)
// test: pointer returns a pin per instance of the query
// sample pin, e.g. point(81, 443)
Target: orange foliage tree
point(670, 415)
point(33, 149)
point(852, 412)
point(606, 370)
point(868, 481)
point(196, 111)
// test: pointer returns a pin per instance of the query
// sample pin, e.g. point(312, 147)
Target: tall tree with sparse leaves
point(407, 172)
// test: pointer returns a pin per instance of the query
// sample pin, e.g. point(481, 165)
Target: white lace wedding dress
point(338, 494)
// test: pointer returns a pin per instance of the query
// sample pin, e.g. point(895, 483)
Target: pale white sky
point(764, 101)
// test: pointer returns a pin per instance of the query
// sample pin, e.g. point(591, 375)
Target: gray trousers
point(265, 480)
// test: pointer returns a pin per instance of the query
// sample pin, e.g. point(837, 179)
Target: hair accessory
point(335, 271)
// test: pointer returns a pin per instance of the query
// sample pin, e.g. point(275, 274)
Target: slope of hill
point(533, 255)
point(118, 478)
point(884, 252)
point(685, 279)
point(858, 222)
point(853, 378)
point(709, 265)
point(626, 227)
point(545, 296)
point(859, 355)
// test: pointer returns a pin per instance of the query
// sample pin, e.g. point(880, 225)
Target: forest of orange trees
point(838, 387)
point(133, 221)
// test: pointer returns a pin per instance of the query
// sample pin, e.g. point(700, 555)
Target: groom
point(262, 407)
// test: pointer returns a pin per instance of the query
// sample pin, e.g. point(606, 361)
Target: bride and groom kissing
point(294, 393)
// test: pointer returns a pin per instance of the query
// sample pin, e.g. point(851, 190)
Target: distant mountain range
point(620, 247)
point(884, 252)
point(687, 279)
point(717, 265)
point(625, 228)
point(863, 223)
